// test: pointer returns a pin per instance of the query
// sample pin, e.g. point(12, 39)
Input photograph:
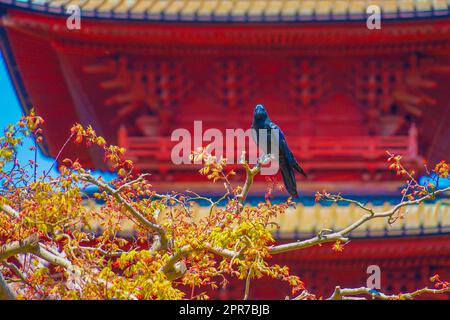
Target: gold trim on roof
point(249, 9)
point(303, 221)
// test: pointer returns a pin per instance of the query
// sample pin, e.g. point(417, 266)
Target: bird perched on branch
point(287, 162)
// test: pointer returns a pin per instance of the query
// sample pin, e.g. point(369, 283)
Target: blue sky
point(10, 112)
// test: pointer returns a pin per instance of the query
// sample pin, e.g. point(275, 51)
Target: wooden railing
point(157, 150)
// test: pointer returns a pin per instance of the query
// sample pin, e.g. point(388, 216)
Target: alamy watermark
point(374, 280)
point(373, 21)
point(73, 22)
point(234, 143)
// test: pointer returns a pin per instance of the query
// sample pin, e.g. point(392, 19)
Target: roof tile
point(250, 10)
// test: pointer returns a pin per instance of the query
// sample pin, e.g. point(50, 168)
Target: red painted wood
point(406, 265)
point(330, 89)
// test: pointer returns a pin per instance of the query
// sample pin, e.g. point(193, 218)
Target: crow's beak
point(259, 107)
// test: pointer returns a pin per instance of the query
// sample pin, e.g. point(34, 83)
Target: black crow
point(287, 162)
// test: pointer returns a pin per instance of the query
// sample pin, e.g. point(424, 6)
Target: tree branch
point(5, 291)
point(21, 246)
point(162, 242)
point(306, 243)
point(341, 235)
point(129, 184)
point(250, 175)
point(174, 269)
point(9, 211)
point(247, 284)
point(355, 293)
point(54, 259)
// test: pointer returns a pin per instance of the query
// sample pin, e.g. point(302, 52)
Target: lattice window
point(233, 82)
point(306, 81)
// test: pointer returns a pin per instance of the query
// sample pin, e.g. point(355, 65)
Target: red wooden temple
point(342, 93)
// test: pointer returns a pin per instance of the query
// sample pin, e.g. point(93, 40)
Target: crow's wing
point(285, 160)
point(255, 135)
point(286, 152)
point(289, 179)
point(299, 169)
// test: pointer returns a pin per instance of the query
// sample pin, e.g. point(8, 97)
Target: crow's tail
point(300, 169)
point(289, 181)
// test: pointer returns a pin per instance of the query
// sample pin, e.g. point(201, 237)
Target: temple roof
point(239, 10)
point(305, 221)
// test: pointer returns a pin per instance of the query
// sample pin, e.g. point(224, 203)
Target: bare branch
point(339, 198)
point(250, 175)
point(129, 184)
point(341, 235)
point(306, 243)
point(9, 211)
point(431, 195)
point(21, 246)
point(54, 259)
point(247, 284)
point(355, 293)
point(31, 245)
